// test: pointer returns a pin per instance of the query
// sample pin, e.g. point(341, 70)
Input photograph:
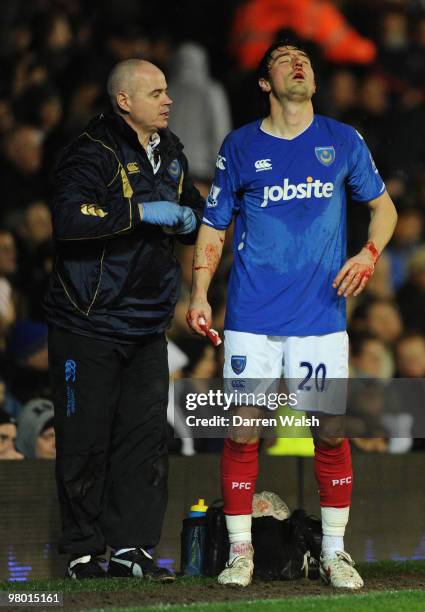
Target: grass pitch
point(389, 587)
point(394, 601)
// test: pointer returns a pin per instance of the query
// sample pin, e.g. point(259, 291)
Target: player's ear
point(264, 85)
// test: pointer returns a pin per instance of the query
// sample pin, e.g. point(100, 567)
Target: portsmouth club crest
point(238, 363)
point(325, 155)
point(174, 170)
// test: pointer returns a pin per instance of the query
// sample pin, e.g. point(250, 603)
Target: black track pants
point(111, 422)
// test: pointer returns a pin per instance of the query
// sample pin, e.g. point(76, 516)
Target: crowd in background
point(54, 60)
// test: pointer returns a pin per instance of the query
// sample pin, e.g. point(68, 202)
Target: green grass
point(98, 586)
point(409, 600)
point(367, 570)
point(392, 601)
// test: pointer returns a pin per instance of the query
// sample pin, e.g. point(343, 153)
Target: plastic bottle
point(193, 540)
point(198, 509)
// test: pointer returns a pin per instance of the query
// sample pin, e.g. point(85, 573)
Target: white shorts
point(308, 364)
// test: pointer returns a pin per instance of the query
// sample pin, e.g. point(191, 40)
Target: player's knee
point(244, 438)
point(248, 429)
point(329, 441)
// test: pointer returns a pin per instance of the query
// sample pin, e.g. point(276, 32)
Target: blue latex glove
point(174, 219)
point(188, 221)
point(161, 213)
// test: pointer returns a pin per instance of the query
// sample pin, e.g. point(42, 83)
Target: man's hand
point(198, 309)
point(355, 273)
point(181, 219)
point(187, 224)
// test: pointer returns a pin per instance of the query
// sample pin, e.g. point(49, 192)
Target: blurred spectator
point(27, 369)
point(6, 117)
point(366, 408)
point(8, 403)
point(8, 268)
point(402, 55)
point(36, 434)
point(396, 187)
point(200, 114)
point(35, 249)
point(410, 356)
point(8, 437)
point(383, 320)
point(342, 95)
point(83, 103)
point(373, 428)
point(411, 296)
point(28, 72)
point(8, 254)
point(369, 357)
point(40, 106)
point(53, 39)
point(36, 226)
point(20, 174)
point(7, 309)
point(394, 38)
point(374, 118)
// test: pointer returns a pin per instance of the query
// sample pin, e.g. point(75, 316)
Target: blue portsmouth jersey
point(288, 199)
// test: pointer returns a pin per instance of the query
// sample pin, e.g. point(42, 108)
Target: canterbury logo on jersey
point(93, 210)
point(310, 189)
point(263, 164)
point(133, 167)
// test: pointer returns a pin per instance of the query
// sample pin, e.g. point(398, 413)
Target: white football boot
point(339, 571)
point(237, 572)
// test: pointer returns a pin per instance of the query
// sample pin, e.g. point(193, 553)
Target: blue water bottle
point(193, 540)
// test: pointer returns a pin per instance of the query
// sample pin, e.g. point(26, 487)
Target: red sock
point(239, 471)
point(334, 474)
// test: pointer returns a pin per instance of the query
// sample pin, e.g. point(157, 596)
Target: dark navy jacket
point(115, 277)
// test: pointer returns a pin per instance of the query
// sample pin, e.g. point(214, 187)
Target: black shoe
point(139, 564)
point(83, 567)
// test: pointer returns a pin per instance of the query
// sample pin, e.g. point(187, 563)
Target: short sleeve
point(364, 181)
point(222, 200)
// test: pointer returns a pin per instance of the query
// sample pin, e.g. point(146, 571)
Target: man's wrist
point(198, 294)
point(140, 211)
point(370, 246)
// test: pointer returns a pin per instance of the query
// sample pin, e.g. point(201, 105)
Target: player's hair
point(263, 69)
point(286, 38)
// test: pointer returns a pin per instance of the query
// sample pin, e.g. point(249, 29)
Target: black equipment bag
point(283, 550)
point(217, 540)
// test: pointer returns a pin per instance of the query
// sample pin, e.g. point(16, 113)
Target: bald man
point(122, 195)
